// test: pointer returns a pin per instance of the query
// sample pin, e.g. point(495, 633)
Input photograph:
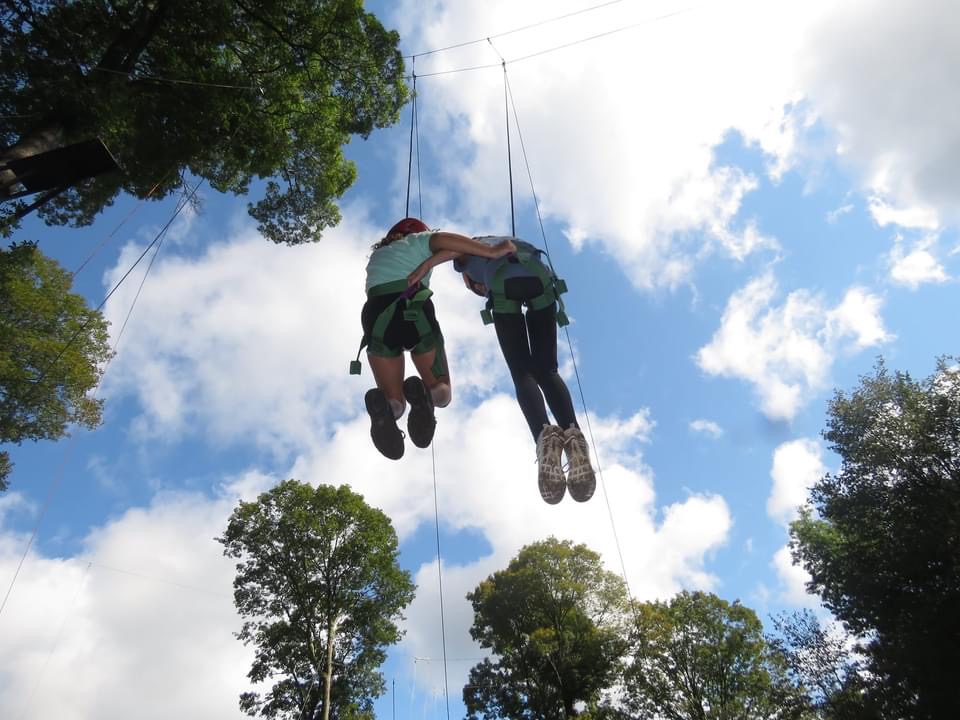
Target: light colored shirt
point(398, 259)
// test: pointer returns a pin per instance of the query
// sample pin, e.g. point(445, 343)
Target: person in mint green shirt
point(398, 317)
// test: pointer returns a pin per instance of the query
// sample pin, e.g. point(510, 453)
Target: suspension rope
point(573, 358)
point(443, 631)
point(506, 109)
point(413, 116)
point(415, 137)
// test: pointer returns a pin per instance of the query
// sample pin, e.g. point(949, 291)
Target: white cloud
point(126, 627)
point(786, 351)
point(797, 465)
point(707, 427)
point(793, 580)
point(154, 610)
point(882, 76)
point(917, 267)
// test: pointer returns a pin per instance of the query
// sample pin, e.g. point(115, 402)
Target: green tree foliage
point(699, 657)
point(882, 539)
point(555, 620)
point(823, 659)
point(228, 90)
point(52, 351)
point(321, 592)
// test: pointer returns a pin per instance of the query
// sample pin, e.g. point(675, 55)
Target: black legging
point(529, 346)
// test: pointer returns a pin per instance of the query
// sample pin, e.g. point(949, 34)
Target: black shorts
point(400, 334)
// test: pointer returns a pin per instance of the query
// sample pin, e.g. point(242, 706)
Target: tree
point(53, 349)
point(321, 592)
point(881, 537)
point(698, 657)
point(824, 660)
point(228, 90)
point(555, 619)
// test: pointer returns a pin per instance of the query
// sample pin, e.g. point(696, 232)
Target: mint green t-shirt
point(398, 259)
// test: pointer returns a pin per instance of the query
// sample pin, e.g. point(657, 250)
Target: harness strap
point(415, 296)
point(553, 288)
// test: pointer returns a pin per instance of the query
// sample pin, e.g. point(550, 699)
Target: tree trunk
point(328, 671)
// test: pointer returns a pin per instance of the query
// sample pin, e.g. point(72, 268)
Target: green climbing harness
point(413, 312)
point(553, 287)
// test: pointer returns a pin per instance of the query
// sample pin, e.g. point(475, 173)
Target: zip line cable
point(562, 46)
point(515, 30)
point(576, 371)
point(55, 482)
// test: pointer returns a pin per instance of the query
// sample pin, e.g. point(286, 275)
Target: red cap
point(407, 226)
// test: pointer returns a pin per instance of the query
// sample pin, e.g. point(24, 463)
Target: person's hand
point(504, 247)
point(418, 274)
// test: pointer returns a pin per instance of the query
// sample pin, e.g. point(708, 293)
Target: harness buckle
point(560, 285)
point(562, 319)
point(355, 367)
point(487, 316)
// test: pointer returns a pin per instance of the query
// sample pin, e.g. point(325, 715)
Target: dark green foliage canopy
point(556, 622)
point(52, 351)
point(882, 538)
point(228, 90)
point(698, 657)
point(321, 592)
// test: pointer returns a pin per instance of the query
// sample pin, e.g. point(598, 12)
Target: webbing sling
point(416, 296)
point(553, 288)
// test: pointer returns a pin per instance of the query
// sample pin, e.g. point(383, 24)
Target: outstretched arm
point(431, 262)
point(464, 245)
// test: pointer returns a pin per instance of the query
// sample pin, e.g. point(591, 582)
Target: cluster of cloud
point(797, 466)
point(639, 113)
point(786, 351)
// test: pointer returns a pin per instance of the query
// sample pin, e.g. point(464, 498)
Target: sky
point(750, 202)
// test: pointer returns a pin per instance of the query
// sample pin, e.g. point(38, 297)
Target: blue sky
point(749, 201)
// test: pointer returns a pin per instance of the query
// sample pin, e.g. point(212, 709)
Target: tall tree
point(321, 591)
point(556, 622)
point(698, 657)
point(881, 539)
point(823, 658)
point(228, 90)
point(53, 349)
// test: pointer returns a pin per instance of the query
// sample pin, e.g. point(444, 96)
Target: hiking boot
point(580, 478)
point(550, 476)
point(387, 437)
point(421, 421)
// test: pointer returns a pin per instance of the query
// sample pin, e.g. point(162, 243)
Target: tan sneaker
point(550, 476)
point(580, 478)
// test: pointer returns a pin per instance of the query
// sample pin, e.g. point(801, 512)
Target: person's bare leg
point(388, 374)
point(438, 385)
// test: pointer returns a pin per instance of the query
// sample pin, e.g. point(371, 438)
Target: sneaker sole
point(421, 422)
point(384, 432)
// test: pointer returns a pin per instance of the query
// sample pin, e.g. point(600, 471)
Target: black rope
point(413, 116)
point(506, 109)
point(443, 631)
point(573, 359)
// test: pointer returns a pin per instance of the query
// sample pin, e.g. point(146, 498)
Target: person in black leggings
point(528, 340)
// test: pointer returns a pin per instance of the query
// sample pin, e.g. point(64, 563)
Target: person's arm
point(464, 245)
point(431, 262)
